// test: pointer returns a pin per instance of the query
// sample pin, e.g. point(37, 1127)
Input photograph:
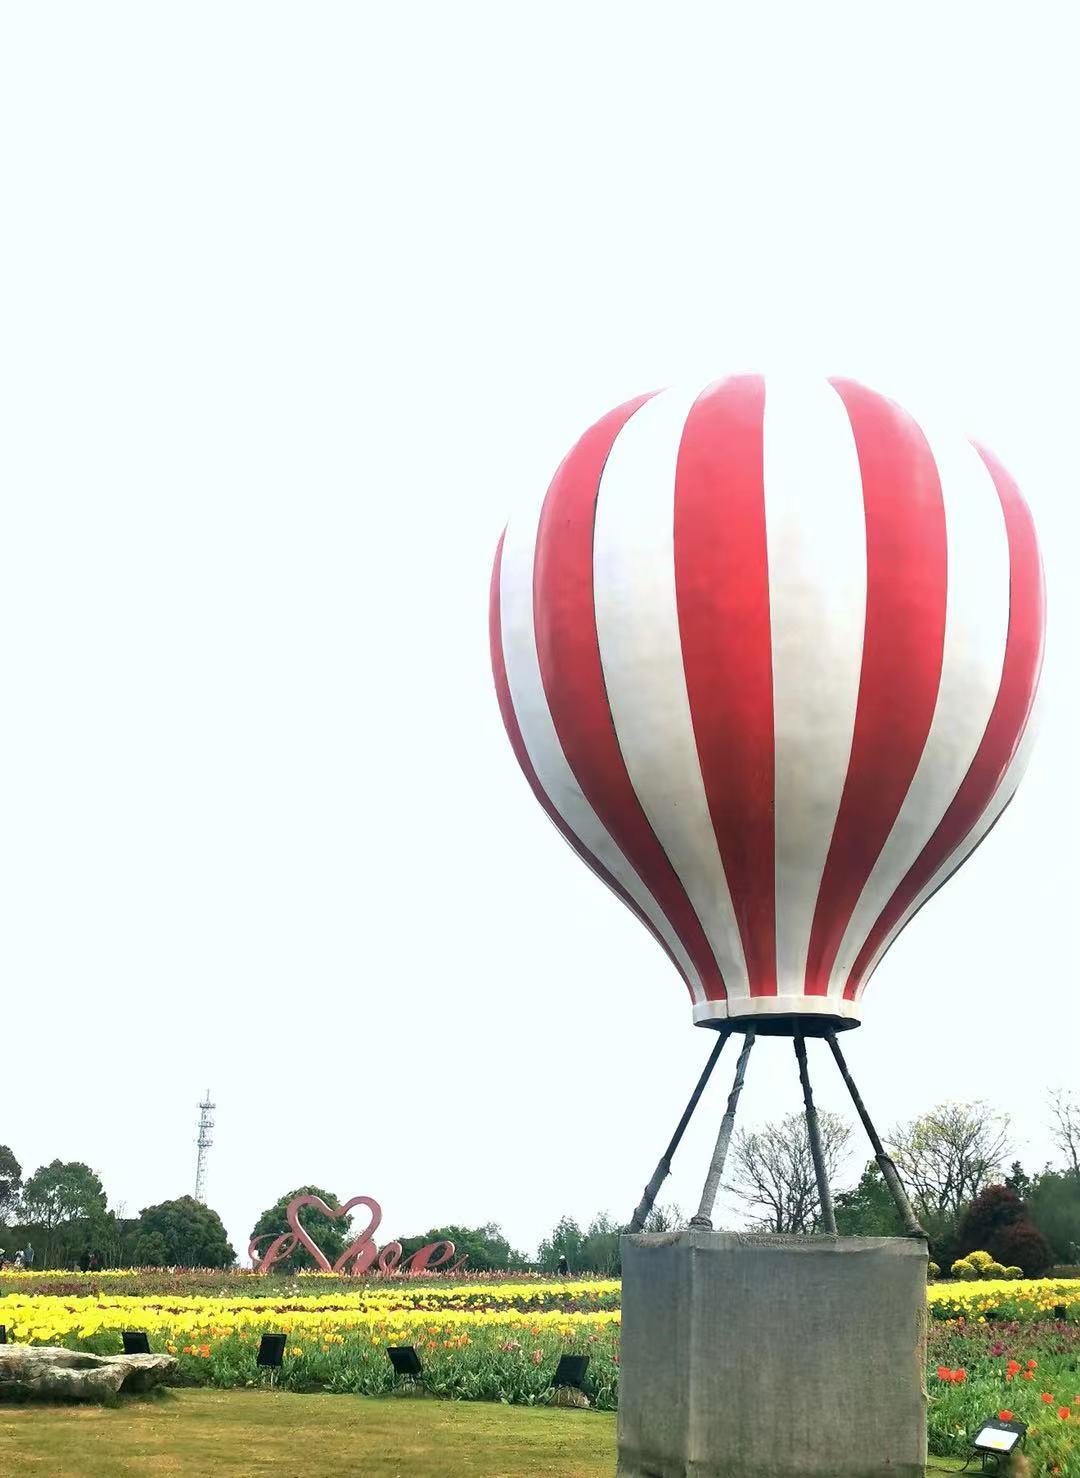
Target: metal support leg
point(885, 1164)
point(813, 1129)
point(663, 1168)
point(723, 1139)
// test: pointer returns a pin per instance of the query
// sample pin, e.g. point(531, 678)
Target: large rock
point(54, 1373)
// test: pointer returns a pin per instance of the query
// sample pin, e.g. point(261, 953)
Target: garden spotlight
point(136, 1342)
point(406, 1361)
point(271, 1350)
point(998, 1439)
point(570, 1371)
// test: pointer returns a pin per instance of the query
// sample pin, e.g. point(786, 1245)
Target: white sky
point(295, 301)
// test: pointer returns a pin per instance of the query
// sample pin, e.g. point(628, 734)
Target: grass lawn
point(196, 1433)
point(199, 1433)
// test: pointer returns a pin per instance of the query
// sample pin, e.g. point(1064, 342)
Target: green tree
point(567, 1240)
point(486, 1247)
point(332, 1236)
point(1018, 1180)
point(600, 1249)
point(10, 1185)
point(665, 1219)
point(150, 1250)
point(868, 1210)
point(1054, 1204)
point(181, 1234)
point(62, 1203)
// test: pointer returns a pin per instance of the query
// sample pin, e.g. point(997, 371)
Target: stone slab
point(52, 1372)
point(747, 1356)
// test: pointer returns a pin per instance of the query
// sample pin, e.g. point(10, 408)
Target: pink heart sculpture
point(361, 1253)
point(362, 1250)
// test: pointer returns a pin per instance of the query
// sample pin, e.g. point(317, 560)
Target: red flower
point(1063, 1413)
point(944, 1373)
point(1048, 1399)
point(1033, 1364)
point(1029, 1375)
point(1005, 1416)
point(1013, 1368)
point(959, 1376)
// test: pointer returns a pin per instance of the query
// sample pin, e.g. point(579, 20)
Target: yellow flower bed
point(52, 1320)
point(425, 1289)
point(1013, 1298)
point(387, 1312)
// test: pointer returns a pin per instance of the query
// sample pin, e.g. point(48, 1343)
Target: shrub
point(986, 1218)
point(1024, 1246)
point(981, 1265)
point(932, 1270)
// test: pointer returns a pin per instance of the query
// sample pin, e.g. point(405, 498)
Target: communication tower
point(204, 1141)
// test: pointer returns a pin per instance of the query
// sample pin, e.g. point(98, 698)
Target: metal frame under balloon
point(799, 1029)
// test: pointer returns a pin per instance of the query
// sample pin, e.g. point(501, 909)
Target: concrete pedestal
point(772, 1357)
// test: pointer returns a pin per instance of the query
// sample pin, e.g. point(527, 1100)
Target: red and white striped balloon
point(767, 654)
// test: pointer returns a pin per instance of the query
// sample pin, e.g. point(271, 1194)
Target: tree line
point(62, 1213)
point(957, 1162)
point(954, 1161)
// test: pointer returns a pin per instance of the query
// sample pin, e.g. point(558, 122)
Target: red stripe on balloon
point(903, 644)
point(569, 652)
point(513, 730)
point(722, 588)
point(1005, 726)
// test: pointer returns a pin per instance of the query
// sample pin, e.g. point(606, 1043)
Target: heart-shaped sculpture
point(361, 1250)
point(360, 1254)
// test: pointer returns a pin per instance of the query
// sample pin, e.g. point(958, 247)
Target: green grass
point(200, 1433)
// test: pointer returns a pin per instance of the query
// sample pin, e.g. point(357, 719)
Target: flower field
point(487, 1341)
point(994, 1346)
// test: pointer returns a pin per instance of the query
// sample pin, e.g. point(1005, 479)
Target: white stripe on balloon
point(541, 740)
point(998, 801)
point(816, 534)
point(637, 621)
point(976, 629)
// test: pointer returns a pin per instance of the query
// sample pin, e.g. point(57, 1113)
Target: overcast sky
point(296, 302)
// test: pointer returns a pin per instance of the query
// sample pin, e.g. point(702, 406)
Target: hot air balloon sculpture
point(767, 653)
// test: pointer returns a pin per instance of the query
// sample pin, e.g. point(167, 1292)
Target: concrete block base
point(772, 1357)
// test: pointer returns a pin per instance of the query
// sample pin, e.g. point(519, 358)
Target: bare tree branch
point(1065, 1129)
point(947, 1156)
point(773, 1170)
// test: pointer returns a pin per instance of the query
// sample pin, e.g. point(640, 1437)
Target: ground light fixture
point(271, 1351)
point(136, 1342)
point(406, 1361)
point(570, 1371)
point(997, 1440)
point(3, 1334)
